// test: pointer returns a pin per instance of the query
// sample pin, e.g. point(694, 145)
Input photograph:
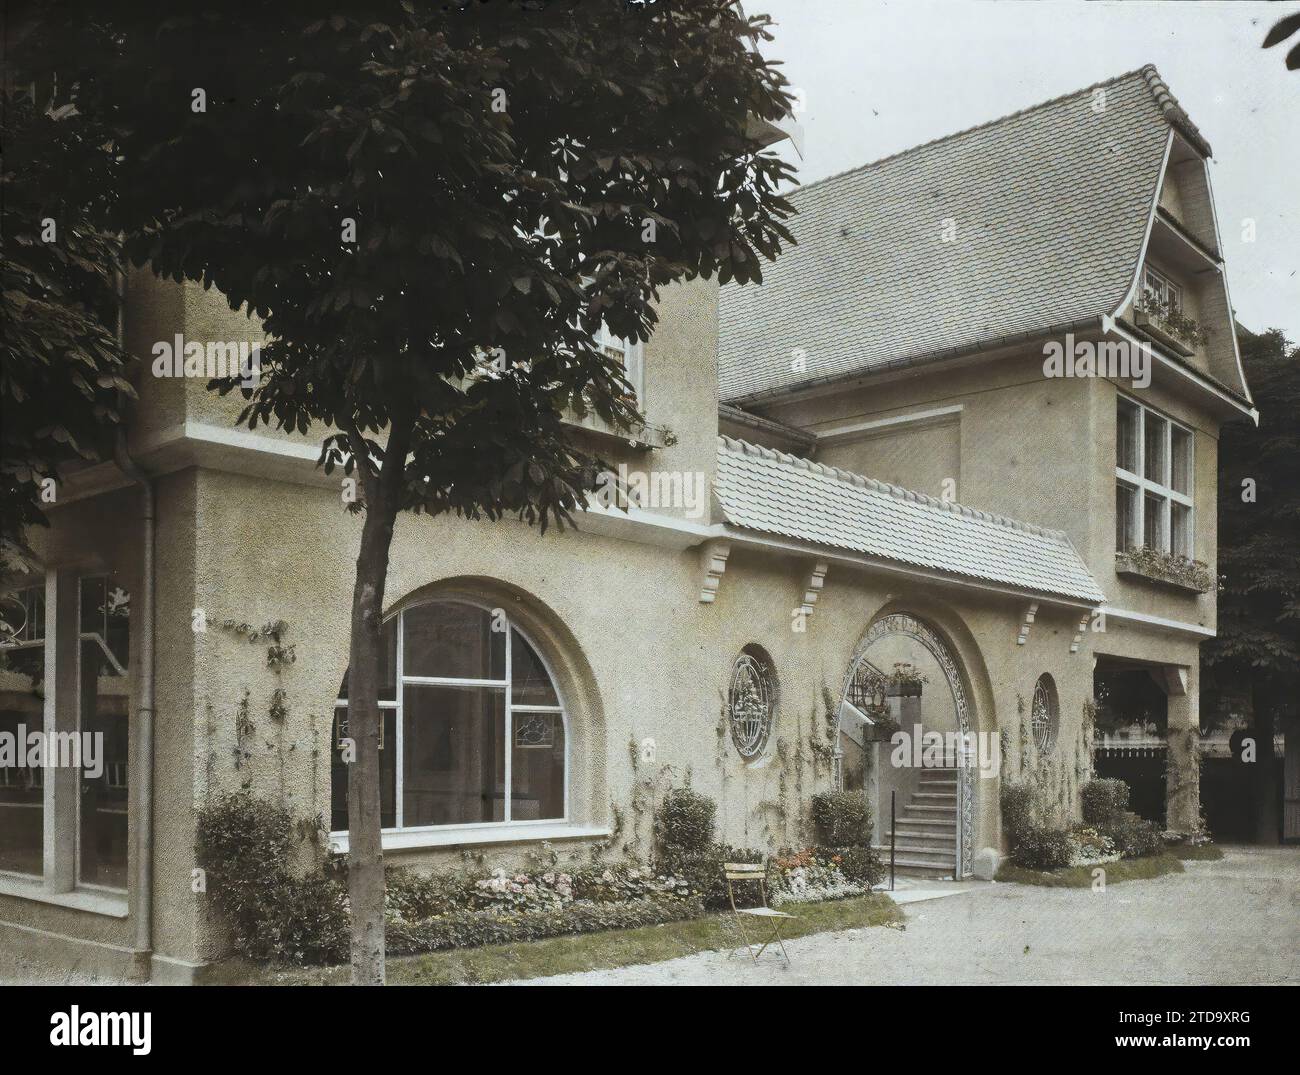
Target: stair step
point(950, 809)
point(929, 836)
point(935, 796)
point(929, 819)
point(905, 852)
point(930, 869)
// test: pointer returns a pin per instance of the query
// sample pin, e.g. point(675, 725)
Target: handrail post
point(893, 836)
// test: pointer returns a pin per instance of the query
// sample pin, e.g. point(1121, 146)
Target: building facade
point(884, 538)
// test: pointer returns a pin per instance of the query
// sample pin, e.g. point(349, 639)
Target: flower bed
point(815, 874)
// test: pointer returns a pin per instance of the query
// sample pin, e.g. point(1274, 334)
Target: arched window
point(751, 701)
point(1045, 714)
point(474, 731)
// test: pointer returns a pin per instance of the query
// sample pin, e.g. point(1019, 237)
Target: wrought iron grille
point(751, 702)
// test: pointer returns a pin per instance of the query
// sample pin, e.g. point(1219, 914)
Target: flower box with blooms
point(1164, 567)
point(1168, 324)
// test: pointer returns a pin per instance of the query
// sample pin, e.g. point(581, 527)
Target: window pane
point(1181, 463)
point(1125, 517)
point(1126, 437)
point(1181, 522)
point(453, 753)
point(537, 767)
point(453, 640)
point(106, 614)
point(1155, 448)
point(387, 773)
point(529, 683)
point(1153, 522)
point(388, 684)
point(102, 828)
point(22, 788)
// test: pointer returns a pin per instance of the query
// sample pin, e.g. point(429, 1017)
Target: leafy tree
point(516, 174)
point(1282, 29)
point(62, 388)
point(1258, 642)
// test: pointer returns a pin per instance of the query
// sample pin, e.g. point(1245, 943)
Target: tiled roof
point(768, 491)
point(1050, 208)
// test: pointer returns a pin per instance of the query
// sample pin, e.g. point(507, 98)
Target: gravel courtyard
point(1236, 921)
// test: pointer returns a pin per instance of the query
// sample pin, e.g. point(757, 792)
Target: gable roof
point(770, 492)
point(1050, 207)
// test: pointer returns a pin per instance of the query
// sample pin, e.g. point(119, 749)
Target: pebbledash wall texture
point(949, 513)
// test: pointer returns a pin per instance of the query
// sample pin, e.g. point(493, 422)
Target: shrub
point(245, 846)
point(702, 870)
point(1134, 836)
point(685, 821)
point(1043, 849)
point(860, 865)
point(841, 819)
point(1103, 800)
point(1017, 811)
point(475, 928)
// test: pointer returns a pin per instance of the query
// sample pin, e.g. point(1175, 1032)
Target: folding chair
point(750, 872)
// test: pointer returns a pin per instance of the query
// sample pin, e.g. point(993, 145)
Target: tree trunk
point(1264, 703)
point(365, 852)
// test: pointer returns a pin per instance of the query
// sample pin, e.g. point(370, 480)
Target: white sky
point(879, 77)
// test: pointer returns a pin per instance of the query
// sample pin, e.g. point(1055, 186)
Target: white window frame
point(1162, 488)
point(633, 359)
point(1167, 292)
point(511, 708)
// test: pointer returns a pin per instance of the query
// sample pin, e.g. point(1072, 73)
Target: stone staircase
point(927, 828)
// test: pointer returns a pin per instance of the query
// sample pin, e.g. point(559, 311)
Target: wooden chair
point(751, 873)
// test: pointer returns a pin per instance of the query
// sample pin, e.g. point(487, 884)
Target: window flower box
point(1167, 324)
point(1165, 568)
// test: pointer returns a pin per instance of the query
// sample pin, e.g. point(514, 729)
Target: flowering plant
point(1090, 847)
point(806, 876)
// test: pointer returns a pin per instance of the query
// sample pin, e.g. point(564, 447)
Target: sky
point(877, 77)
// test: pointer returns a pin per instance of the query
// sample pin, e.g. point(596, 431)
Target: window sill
point(475, 835)
point(643, 437)
point(111, 904)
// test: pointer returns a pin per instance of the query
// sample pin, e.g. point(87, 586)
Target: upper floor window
point(1153, 481)
point(629, 353)
point(1162, 291)
point(473, 729)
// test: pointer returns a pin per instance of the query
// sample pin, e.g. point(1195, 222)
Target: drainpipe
point(142, 762)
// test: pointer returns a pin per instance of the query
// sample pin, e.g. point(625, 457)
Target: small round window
point(751, 701)
point(1044, 717)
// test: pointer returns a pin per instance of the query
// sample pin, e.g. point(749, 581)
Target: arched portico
point(905, 676)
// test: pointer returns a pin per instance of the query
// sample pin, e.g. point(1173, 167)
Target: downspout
point(142, 761)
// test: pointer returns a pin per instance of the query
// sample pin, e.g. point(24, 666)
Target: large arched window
point(473, 727)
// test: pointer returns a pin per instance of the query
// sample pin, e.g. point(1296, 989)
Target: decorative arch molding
point(901, 622)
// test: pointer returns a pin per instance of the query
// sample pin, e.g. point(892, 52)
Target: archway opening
point(904, 725)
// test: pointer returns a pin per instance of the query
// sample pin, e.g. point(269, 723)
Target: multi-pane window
point(628, 352)
point(1153, 481)
point(91, 726)
point(474, 730)
point(1161, 290)
point(22, 787)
